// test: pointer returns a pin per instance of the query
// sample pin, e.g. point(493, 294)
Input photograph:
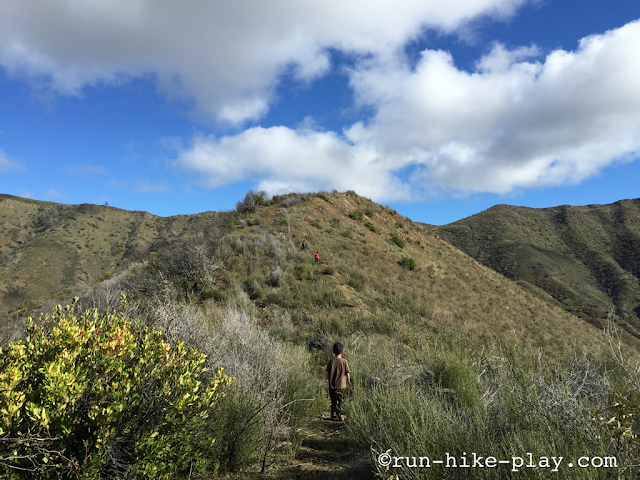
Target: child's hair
point(338, 348)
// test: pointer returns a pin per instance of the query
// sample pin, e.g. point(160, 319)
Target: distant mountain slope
point(362, 283)
point(582, 258)
point(47, 247)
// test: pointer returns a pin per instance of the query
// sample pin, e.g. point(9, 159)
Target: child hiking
point(339, 377)
point(317, 257)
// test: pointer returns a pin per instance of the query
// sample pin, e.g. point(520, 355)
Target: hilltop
point(51, 250)
point(584, 259)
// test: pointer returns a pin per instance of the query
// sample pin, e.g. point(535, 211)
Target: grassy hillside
point(48, 248)
point(585, 259)
point(447, 355)
point(52, 250)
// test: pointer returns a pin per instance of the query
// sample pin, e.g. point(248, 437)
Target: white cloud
point(113, 183)
point(52, 194)
point(227, 56)
point(87, 170)
point(144, 185)
point(25, 194)
point(290, 160)
point(519, 120)
point(513, 123)
point(6, 164)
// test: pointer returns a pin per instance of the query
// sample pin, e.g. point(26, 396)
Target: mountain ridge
point(585, 259)
point(54, 250)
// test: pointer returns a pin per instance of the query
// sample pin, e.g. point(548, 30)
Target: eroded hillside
point(585, 259)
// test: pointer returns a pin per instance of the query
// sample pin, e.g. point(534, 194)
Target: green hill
point(48, 248)
point(447, 356)
point(585, 259)
point(52, 250)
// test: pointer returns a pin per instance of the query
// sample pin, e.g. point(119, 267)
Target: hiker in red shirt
point(317, 257)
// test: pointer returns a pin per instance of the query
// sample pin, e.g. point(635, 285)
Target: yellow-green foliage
point(94, 395)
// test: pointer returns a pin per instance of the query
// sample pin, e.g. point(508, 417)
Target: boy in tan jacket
point(338, 376)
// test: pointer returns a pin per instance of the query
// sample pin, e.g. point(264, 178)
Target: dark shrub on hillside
point(329, 270)
point(398, 241)
point(289, 199)
point(371, 226)
point(250, 201)
point(253, 287)
point(356, 215)
point(410, 263)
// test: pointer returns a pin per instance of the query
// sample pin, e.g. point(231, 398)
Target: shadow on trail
point(327, 455)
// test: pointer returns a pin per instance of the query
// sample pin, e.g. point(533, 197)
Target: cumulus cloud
point(514, 122)
point(291, 160)
point(518, 120)
point(6, 164)
point(227, 56)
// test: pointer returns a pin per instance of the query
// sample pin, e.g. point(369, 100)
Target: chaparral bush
point(410, 263)
point(371, 226)
point(97, 396)
point(398, 241)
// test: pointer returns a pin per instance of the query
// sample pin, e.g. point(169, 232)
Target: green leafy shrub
point(371, 226)
point(93, 396)
point(289, 199)
point(457, 376)
point(398, 241)
point(329, 270)
point(253, 221)
point(410, 263)
point(251, 200)
point(352, 193)
point(356, 216)
point(211, 293)
point(253, 287)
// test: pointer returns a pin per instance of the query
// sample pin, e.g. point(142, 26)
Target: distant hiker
point(304, 245)
point(317, 257)
point(339, 377)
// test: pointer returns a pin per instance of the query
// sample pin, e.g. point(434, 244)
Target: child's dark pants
point(337, 399)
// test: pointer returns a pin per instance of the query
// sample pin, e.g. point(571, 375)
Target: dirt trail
point(325, 454)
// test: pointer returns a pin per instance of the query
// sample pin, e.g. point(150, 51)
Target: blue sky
point(438, 109)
